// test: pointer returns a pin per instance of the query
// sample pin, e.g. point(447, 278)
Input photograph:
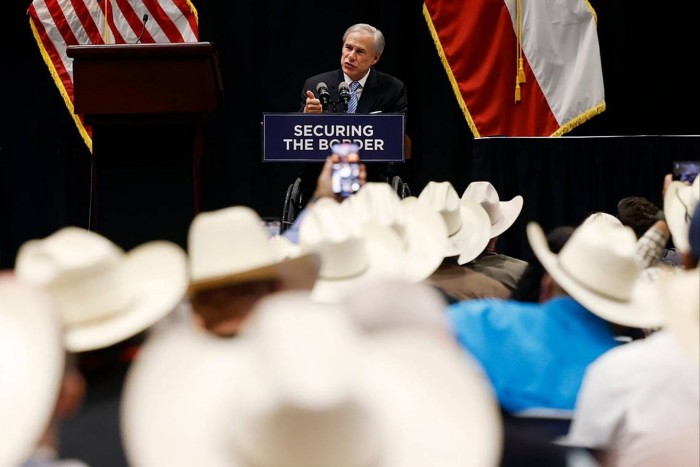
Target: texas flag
point(520, 67)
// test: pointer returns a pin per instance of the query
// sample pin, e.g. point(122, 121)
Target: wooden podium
point(146, 104)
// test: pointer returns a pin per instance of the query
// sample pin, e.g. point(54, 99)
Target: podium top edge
point(117, 50)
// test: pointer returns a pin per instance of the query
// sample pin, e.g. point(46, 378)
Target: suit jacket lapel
point(369, 96)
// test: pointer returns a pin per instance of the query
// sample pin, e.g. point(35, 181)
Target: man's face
point(358, 55)
point(223, 310)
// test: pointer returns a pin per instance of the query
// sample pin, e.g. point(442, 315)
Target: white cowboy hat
point(597, 266)
point(424, 237)
point(397, 304)
point(31, 367)
point(680, 291)
point(679, 204)
point(302, 387)
point(352, 254)
point(230, 246)
point(502, 214)
point(104, 295)
point(601, 216)
point(421, 229)
point(468, 225)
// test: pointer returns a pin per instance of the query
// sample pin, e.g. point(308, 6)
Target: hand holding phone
point(345, 175)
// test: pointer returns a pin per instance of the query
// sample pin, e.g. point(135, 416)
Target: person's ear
point(376, 59)
point(688, 261)
point(71, 394)
point(546, 287)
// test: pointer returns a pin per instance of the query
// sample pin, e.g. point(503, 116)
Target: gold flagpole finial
point(520, 70)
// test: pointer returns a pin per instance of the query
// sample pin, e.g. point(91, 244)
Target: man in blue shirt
point(536, 354)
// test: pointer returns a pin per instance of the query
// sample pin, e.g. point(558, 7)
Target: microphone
point(344, 94)
point(143, 28)
point(323, 95)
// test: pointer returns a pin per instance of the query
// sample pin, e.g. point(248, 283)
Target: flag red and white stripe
point(480, 41)
point(56, 24)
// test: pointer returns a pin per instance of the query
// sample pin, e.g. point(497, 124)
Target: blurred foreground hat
point(680, 202)
point(597, 266)
point(31, 367)
point(104, 295)
point(302, 387)
point(680, 291)
point(395, 304)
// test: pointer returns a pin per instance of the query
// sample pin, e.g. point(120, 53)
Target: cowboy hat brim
point(642, 310)
point(157, 275)
point(395, 373)
point(473, 238)
point(510, 211)
point(385, 259)
point(294, 273)
point(31, 367)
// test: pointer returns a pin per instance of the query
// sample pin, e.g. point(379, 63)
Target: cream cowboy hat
point(502, 214)
point(31, 367)
point(603, 217)
point(680, 291)
point(422, 231)
point(679, 204)
point(468, 225)
point(302, 387)
point(396, 304)
point(352, 254)
point(104, 295)
point(229, 246)
point(598, 268)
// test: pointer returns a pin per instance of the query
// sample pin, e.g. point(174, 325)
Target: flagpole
point(105, 30)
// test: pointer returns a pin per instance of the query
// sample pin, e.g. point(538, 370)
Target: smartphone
point(345, 176)
point(686, 171)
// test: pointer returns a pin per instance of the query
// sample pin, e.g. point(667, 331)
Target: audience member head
point(638, 213)
point(362, 46)
point(502, 214)
point(468, 225)
point(104, 295)
point(31, 364)
point(597, 266)
point(530, 286)
point(233, 264)
point(302, 386)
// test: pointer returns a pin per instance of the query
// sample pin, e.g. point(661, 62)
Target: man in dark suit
point(375, 92)
point(370, 90)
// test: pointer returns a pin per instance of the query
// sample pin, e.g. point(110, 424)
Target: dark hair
point(528, 287)
point(638, 213)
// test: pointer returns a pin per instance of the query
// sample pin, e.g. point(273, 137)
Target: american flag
point(56, 24)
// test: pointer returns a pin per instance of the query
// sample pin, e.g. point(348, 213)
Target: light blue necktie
point(352, 104)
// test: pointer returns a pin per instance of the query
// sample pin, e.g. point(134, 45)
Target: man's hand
point(313, 105)
point(323, 183)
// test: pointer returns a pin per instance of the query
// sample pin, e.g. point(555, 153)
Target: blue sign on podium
point(299, 137)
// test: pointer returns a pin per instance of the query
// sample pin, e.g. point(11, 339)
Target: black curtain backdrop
point(268, 47)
